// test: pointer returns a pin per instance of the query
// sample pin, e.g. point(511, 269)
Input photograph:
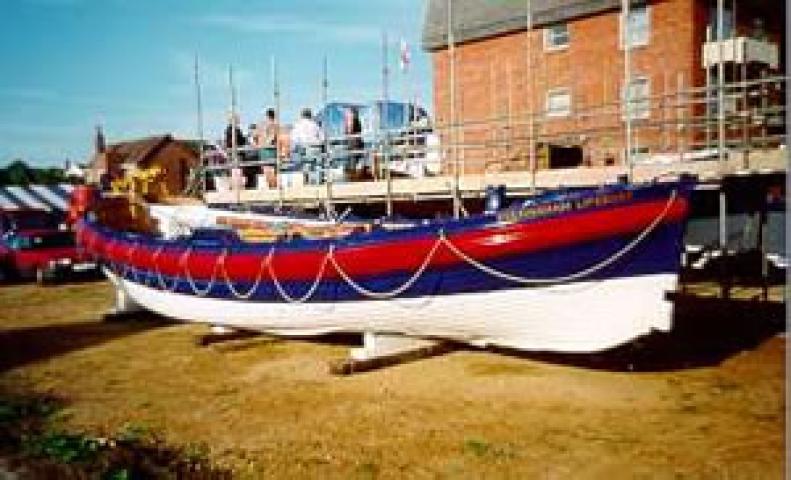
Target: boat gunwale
point(428, 229)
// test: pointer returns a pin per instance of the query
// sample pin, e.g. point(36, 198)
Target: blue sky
point(66, 65)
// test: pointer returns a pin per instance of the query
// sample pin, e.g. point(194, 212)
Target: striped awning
point(51, 198)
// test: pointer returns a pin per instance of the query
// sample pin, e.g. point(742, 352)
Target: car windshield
point(34, 242)
point(31, 220)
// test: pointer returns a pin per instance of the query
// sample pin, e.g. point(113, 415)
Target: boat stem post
point(125, 305)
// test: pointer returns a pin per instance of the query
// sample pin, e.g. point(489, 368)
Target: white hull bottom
point(580, 317)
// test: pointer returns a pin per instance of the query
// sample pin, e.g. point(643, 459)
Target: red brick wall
point(491, 83)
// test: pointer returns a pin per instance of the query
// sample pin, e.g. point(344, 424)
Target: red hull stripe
point(376, 259)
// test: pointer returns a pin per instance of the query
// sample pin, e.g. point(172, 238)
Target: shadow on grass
point(706, 331)
point(20, 346)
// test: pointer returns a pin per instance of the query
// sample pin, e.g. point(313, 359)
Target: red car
point(45, 255)
point(28, 219)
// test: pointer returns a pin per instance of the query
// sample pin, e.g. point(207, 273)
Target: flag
point(405, 57)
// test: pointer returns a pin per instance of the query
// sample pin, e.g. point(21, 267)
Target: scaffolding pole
point(199, 119)
point(276, 100)
point(452, 132)
point(383, 125)
point(529, 93)
point(234, 125)
point(627, 85)
point(721, 121)
point(328, 206)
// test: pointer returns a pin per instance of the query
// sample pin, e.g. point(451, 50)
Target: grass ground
point(268, 408)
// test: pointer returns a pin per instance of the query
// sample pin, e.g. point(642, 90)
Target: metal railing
point(675, 126)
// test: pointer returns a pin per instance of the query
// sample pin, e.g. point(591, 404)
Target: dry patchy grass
point(269, 408)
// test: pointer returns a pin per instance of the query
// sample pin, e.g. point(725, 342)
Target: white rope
point(266, 262)
point(574, 276)
point(114, 266)
point(246, 295)
point(392, 293)
point(158, 273)
point(128, 267)
point(185, 267)
point(310, 291)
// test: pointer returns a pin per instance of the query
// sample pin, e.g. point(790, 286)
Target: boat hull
point(577, 317)
point(570, 272)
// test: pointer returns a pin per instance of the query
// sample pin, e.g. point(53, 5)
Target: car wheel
point(46, 275)
point(41, 275)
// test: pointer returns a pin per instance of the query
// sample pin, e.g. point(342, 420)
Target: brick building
point(177, 158)
point(563, 79)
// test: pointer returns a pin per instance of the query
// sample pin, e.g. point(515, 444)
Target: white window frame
point(560, 113)
point(640, 154)
point(642, 42)
point(642, 105)
point(551, 47)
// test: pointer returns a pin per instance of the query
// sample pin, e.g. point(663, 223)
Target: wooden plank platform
point(518, 182)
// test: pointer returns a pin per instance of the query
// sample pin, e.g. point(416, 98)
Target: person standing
point(233, 129)
point(307, 141)
point(352, 128)
point(306, 132)
point(266, 132)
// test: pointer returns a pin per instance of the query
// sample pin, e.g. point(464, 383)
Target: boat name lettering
point(554, 208)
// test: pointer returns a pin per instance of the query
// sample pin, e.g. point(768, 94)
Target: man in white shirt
point(307, 141)
point(306, 132)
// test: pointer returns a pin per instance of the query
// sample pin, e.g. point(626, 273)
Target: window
point(639, 101)
point(639, 154)
point(556, 37)
point(638, 25)
point(558, 102)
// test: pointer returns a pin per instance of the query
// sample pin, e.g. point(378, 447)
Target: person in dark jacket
point(230, 130)
point(352, 128)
